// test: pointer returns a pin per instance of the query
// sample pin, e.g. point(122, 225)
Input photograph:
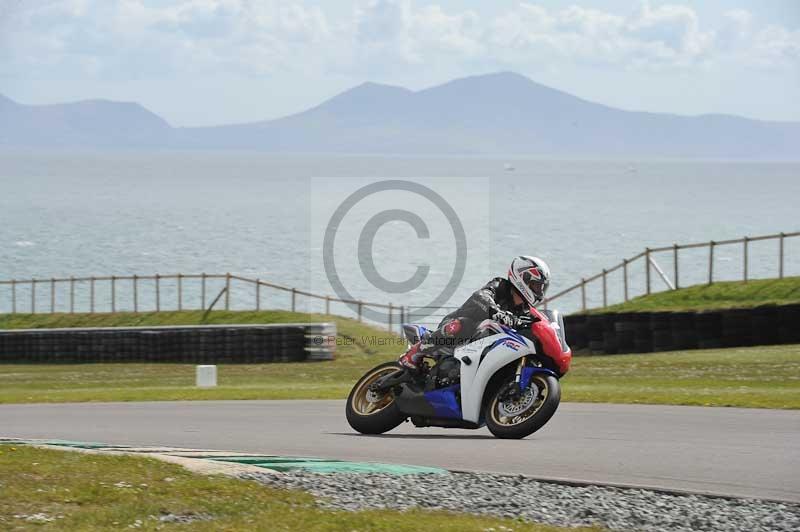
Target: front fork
point(513, 389)
point(520, 367)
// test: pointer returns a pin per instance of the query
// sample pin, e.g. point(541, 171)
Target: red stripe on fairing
point(550, 343)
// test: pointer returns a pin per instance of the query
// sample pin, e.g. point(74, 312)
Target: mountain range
point(494, 114)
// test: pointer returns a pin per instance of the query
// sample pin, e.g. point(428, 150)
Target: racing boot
point(411, 359)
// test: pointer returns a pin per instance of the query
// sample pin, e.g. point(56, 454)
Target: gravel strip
point(542, 502)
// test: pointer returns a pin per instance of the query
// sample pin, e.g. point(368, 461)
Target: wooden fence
point(650, 270)
point(126, 293)
point(137, 293)
point(651, 267)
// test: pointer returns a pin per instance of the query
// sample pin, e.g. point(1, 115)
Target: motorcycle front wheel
point(520, 416)
point(369, 412)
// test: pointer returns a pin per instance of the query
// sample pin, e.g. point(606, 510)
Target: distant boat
point(508, 167)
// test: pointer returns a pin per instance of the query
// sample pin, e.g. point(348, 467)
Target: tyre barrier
point(194, 344)
point(644, 332)
point(684, 333)
point(595, 333)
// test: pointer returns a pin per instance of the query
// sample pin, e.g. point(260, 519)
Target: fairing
point(481, 360)
point(486, 356)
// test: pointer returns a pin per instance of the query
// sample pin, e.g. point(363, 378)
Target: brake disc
point(521, 403)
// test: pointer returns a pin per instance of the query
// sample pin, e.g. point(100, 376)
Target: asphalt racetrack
point(725, 451)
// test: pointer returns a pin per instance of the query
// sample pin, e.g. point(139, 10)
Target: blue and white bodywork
point(479, 362)
point(481, 359)
point(498, 379)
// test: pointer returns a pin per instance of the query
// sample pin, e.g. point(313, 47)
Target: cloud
point(133, 39)
point(665, 36)
point(399, 30)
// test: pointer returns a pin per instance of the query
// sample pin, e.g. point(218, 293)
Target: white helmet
point(531, 277)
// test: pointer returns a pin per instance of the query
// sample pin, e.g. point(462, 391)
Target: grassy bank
point(718, 295)
point(759, 377)
point(58, 490)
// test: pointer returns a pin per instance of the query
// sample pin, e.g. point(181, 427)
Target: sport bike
point(501, 379)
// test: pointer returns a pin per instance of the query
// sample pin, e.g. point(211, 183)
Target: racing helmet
point(531, 277)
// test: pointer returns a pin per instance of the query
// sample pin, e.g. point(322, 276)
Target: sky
point(205, 62)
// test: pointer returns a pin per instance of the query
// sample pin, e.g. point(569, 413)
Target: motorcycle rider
point(503, 300)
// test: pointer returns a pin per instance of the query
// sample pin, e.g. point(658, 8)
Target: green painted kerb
point(276, 463)
point(322, 465)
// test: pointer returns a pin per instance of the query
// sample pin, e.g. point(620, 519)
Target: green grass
point(757, 377)
point(752, 377)
point(735, 294)
point(88, 492)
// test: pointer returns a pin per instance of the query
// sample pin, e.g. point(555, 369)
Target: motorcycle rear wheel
point(504, 422)
point(369, 413)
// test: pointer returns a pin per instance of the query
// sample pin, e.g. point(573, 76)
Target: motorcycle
point(501, 379)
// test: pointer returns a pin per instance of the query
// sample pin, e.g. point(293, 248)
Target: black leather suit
point(495, 296)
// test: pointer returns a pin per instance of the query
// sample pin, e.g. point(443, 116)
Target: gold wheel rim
point(538, 401)
point(363, 403)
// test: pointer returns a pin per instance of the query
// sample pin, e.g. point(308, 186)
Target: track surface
point(725, 451)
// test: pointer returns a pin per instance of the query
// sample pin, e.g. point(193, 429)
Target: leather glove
point(524, 321)
point(506, 318)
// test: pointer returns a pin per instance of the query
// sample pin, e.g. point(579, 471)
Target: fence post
point(72, 295)
point(258, 294)
point(13, 296)
point(180, 291)
point(605, 298)
point(203, 291)
point(135, 293)
point(158, 293)
point(227, 291)
point(33, 296)
point(113, 293)
point(294, 298)
point(675, 263)
point(625, 277)
point(711, 262)
point(52, 296)
point(327, 304)
point(780, 256)
point(402, 317)
point(360, 304)
point(390, 317)
point(746, 239)
point(647, 268)
point(583, 294)
point(91, 295)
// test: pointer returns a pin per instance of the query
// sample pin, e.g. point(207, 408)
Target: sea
point(414, 232)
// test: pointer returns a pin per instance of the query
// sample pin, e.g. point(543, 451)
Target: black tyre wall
point(192, 345)
point(642, 332)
